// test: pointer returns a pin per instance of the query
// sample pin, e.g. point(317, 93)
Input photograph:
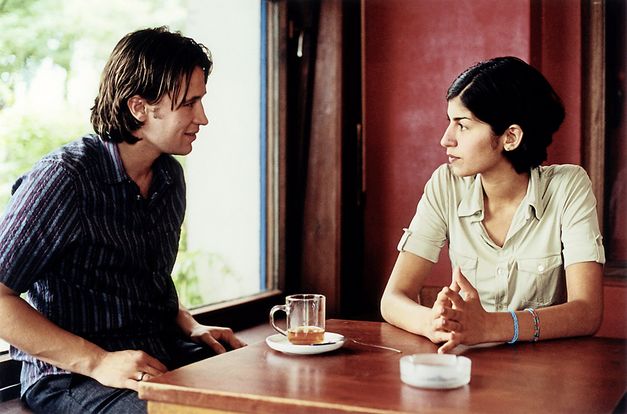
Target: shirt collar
point(534, 193)
point(115, 172)
point(472, 202)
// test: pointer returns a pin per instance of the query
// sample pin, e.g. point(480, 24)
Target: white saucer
point(332, 341)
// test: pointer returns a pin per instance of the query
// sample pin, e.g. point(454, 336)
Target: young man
point(91, 235)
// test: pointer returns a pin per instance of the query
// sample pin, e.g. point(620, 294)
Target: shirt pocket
point(539, 280)
point(468, 265)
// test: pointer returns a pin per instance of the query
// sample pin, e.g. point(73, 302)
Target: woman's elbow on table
point(385, 307)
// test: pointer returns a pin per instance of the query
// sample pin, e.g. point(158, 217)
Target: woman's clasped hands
point(458, 317)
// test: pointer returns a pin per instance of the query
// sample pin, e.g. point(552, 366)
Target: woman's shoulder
point(563, 180)
point(566, 170)
point(562, 174)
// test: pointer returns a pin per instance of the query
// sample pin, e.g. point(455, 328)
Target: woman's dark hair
point(149, 63)
point(504, 91)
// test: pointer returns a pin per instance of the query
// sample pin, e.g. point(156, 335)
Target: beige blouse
point(555, 226)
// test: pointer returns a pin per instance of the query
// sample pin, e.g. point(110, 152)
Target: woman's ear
point(512, 137)
point(137, 106)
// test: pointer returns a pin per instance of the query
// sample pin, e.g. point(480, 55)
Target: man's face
point(172, 131)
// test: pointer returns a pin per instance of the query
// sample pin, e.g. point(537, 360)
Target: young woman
point(524, 239)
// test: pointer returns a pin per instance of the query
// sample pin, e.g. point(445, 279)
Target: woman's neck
point(505, 186)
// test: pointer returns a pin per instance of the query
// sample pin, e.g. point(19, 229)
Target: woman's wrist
point(501, 327)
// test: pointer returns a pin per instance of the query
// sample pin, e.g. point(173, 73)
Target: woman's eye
point(462, 127)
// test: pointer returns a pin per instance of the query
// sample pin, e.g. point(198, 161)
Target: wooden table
point(576, 375)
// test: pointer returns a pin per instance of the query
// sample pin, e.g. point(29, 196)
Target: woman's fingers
point(464, 284)
point(454, 286)
point(454, 340)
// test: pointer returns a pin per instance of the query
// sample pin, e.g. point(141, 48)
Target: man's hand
point(215, 337)
point(125, 369)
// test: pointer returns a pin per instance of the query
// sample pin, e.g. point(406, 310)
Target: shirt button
point(500, 271)
point(540, 268)
point(138, 197)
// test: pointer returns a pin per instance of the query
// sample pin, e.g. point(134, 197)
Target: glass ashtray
point(441, 371)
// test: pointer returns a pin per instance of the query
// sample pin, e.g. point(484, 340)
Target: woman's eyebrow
point(458, 118)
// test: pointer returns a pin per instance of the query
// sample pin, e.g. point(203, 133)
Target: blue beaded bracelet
point(515, 318)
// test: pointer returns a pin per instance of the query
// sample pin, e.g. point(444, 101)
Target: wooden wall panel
point(322, 216)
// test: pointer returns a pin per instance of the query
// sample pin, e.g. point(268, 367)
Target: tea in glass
point(305, 318)
point(305, 335)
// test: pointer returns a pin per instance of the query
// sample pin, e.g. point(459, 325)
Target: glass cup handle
point(274, 309)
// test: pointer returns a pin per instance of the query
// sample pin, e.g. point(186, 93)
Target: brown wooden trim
point(232, 402)
point(241, 313)
point(614, 271)
point(276, 144)
point(619, 282)
point(593, 98)
point(320, 254)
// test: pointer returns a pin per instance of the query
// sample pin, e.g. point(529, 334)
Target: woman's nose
point(448, 139)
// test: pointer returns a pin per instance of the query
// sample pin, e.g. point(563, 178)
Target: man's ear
point(512, 137)
point(137, 106)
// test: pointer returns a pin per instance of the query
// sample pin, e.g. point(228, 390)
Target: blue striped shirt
point(93, 256)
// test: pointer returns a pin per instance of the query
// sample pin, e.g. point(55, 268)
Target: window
point(224, 237)
point(604, 126)
point(50, 72)
point(615, 145)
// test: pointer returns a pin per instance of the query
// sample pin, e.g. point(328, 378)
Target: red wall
point(413, 51)
point(560, 61)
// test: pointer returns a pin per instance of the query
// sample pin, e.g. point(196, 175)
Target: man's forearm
point(25, 328)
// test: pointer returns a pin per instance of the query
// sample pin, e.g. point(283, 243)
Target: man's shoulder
point(77, 151)
point(78, 156)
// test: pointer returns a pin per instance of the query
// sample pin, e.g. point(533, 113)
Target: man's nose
point(201, 117)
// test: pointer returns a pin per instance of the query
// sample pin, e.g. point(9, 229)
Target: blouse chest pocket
point(467, 265)
point(540, 280)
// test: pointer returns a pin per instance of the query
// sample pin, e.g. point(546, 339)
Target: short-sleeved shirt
point(92, 255)
point(555, 226)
